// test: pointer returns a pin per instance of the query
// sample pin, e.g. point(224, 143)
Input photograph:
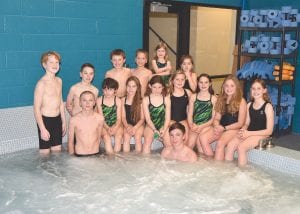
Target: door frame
point(182, 9)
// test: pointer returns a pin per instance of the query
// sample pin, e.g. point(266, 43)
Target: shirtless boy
point(86, 126)
point(48, 105)
point(119, 72)
point(87, 74)
point(178, 150)
point(142, 73)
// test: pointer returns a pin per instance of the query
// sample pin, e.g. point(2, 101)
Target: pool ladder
point(265, 143)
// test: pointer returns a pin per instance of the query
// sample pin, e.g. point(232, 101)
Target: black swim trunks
point(54, 127)
point(86, 155)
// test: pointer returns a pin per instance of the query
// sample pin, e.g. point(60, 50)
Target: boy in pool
point(178, 151)
point(48, 105)
point(87, 73)
point(119, 72)
point(86, 126)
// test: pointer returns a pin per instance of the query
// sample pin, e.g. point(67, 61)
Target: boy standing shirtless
point(141, 72)
point(87, 73)
point(48, 105)
point(119, 72)
point(86, 126)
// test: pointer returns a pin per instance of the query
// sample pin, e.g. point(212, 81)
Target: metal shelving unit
point(252, 31)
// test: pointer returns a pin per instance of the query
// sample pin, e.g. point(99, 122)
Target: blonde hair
point(164, 46)
point(45, 56)
point(173, 76)
point(234, 103)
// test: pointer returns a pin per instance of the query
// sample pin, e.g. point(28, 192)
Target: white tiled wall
point(18, 131)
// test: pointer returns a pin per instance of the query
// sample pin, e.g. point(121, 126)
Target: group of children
point(179, 109)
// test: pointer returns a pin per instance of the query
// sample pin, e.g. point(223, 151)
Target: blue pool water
point(140, 184)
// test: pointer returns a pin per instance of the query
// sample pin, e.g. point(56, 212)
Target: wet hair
point(45, 56)
point(156, 79)
point(184, 57)
point(173, 76)
point(86, 65)
point(110, 83)
point(265, 95)
point(141, 51)
point(117, 52)
point(210, 89)
point(135, 110)
point(177, 125)
point(234, 103)
point(86, 92)
point(159, 46)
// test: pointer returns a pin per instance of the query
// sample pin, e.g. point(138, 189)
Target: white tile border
point(12, 120)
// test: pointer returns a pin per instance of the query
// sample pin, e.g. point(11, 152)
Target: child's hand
point(69, 108)
point(218, 129)
point(110, 130)
point(129, 129)
point(45, 135)
point(199, 129)
point(133, 130)
point(243, 134)
point(194, 127)
point(162, 132)
point(64, 129)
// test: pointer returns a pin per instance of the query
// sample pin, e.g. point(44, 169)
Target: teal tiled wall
point(80, 30)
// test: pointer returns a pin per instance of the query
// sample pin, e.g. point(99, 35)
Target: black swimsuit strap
point(185, 93)
point(114, 100)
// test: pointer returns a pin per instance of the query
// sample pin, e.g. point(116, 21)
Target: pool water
point(140, 184)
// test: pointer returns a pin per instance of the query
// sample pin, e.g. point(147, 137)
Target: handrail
point(161, 39)
point(219, 76)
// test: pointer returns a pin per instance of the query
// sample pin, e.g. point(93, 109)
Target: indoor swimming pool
point(130, 183)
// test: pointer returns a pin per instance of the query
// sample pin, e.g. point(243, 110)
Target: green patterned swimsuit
point(109, 113)
point(157, 114)
point(165, 78)
point(202, 111)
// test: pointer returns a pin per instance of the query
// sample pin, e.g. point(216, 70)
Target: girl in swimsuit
point(186, 63)
point(157, 110)
point(258, 126)
point(230, 115)
point(132, 114)
point(179, 101)
point(201, 112)
point(110, 107)
point(160, 63)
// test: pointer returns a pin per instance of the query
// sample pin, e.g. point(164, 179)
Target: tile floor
point(290, 141)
